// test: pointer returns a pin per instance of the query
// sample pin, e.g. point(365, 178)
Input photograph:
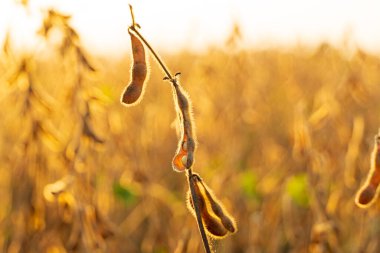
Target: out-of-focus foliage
point(284, 139)
point(297, 189)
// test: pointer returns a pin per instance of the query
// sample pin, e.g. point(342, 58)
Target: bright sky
point(195, 24)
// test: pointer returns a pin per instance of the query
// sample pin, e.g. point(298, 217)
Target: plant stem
point(173, 80)
point(162, 64)
point(132, 15)
point(194, 197)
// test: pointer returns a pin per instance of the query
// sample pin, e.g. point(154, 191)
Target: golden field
point(284, 138)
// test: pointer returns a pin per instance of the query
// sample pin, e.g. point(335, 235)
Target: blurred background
point(286, 98)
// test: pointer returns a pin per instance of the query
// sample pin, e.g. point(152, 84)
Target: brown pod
point(369, 191)
point(179, 161)
point(134, 91)
point(184, 157)
point(365, 196)
point(218, 209)
point(213, 226)
point(216, 226)
point(184, 108)
point(182, 98)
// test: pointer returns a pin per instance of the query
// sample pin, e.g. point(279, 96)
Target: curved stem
point(162, 64)
point(173, 80)
point(194, 197)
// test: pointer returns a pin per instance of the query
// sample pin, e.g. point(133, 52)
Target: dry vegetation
point(284, 140)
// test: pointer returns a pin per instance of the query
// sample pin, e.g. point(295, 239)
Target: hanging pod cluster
point(134, 93)
point(210, 214)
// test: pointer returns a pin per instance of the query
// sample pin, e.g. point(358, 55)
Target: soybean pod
point(184, 157)
point(369, 191)
point(133, 93)
point(217, 221)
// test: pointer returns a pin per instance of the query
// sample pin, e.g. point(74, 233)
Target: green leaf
point(248, 182)
point(124, 194)
point(296, 188)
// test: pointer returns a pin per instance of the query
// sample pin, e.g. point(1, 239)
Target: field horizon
point(284, 139)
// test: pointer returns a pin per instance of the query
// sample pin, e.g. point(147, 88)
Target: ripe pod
point(369, 191)
point(217, 221)
point(226, 219)
point(134, 91)
point(184, 156)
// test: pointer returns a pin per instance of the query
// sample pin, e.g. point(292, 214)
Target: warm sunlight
point(195, 24)
point(218, 126)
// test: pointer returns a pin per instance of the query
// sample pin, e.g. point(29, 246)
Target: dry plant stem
point(197, 212)
point(132, 15)
point(166, 70)
point(173, 80)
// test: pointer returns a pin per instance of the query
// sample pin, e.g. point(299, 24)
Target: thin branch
point(195, 199)
point(162, 64)
point(132, 15)
point(173, 80)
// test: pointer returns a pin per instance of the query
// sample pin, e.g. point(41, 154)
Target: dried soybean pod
point(369, 191)
point(180, 161)
point(184, 107)
point(219, 210)
point(184, 157)
point(133, 93)
point(213, 225)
